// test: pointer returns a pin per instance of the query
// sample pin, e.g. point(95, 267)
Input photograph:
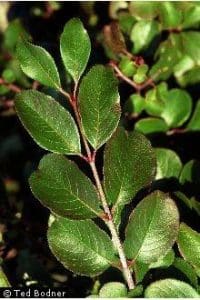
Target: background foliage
point(159, 97)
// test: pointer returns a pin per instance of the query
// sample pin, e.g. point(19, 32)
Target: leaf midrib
point(75, 196)
point(87, 247)
point(46, 71)
point(146, 233)
point(48, 124)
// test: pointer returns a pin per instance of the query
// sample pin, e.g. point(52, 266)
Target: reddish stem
point(12, 87)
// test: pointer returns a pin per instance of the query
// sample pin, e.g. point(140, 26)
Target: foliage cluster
point(124, 216)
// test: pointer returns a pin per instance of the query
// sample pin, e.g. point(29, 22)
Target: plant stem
point(109, 218)
point(137, 87)
point(111, 226)
point(12, 87)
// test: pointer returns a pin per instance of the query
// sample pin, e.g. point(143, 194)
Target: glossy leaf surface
point(187, 270)
point(170, 288)
point(49, 124)
point(75, 48)
point(178, 107)
point(148, 30)
point(151, 125)
point(113, 290)
point(152, 228)
point(189, 245)
point(194, 124)
point(38, 64)
point(129, 165)
point(64, 189)
point(99, 105)
point(81, 246)
point(168, 163)
point(163, 262)
point(191, 173)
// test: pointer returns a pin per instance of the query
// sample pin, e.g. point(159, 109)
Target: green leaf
point(127, 66)
point(168, 163)
point(185, 64)
point(154, 106)
point(170, 16)
point(192, 203)
point(191, 77)
point(99, 105)
point(135, 104)
point(61, 186)
point(126, 22)
point(191, 44)
point(189, 245)
point(129, 166)
point(170, 288)
point(187, 270)
point(75, 48)
point(148, 30)
point(113, 290)
point(152, 228)
point(191, 173)
point(143, 9)
point(3, 279)
point(140, 270)
point(12, 33)
point(38, 64)
point(169, 54)
point(4, 90)
point(196, 205)
point(194, 124)
point(136, 292)
point(8, 75)
point(151, 125)
point(163, 262)
point(49, 124)
point(178, 107)
point(191, 17)
point(81, 246)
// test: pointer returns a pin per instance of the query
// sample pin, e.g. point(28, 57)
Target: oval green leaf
point(49, 124)
point(168, 163)
point(194, 124)
point(99, 105)
point(187, 270)
point(178, 107)
point(129, 166)
point(75, 48)
point(152, 228)
point(170, 288)
point(191, 173)
point(189, 245)
point(170, 15)
point(64, 189)
point(113, 290)
point(151, 125)
point(38, 64)
point(81, 246)
point(148, 30)
point(164, 262)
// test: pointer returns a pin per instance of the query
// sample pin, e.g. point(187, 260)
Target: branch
point(12, 87)
point(109, 219)
point(137, 87)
